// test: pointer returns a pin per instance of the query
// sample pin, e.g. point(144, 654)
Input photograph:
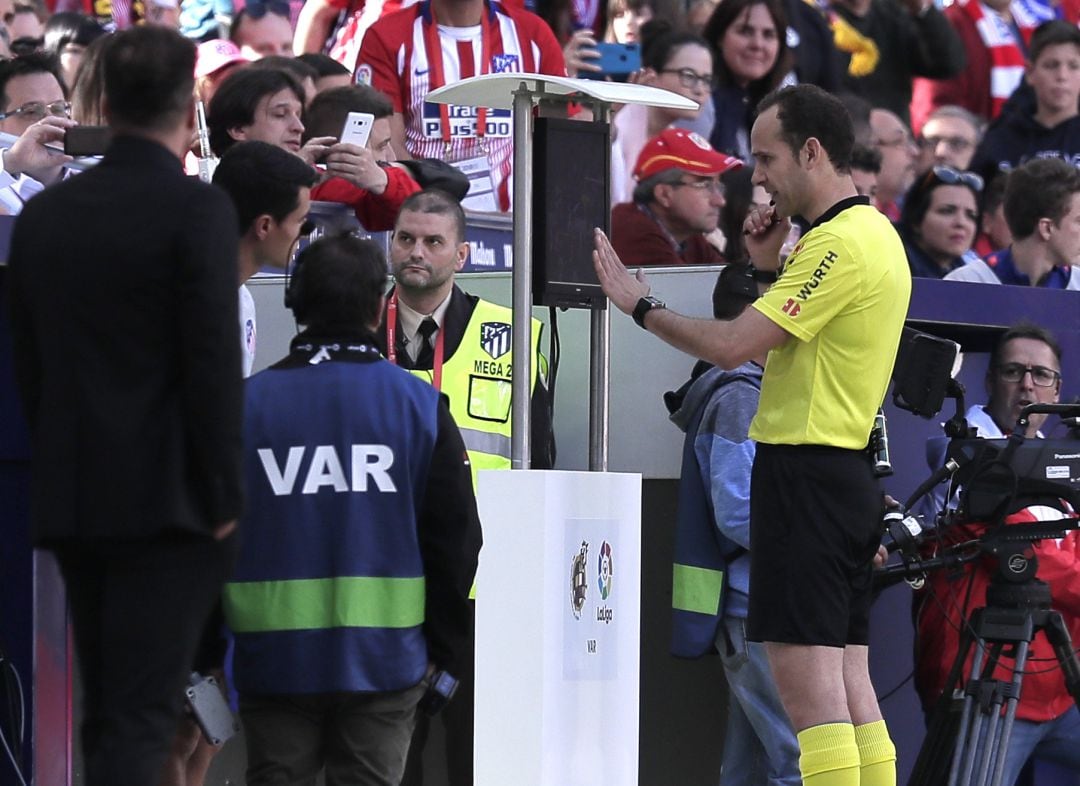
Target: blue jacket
point(712, 566)
point(361, 535)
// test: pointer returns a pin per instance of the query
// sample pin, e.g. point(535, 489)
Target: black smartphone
point(87, 140)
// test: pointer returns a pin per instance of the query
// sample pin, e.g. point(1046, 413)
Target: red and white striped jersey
point(394, 58)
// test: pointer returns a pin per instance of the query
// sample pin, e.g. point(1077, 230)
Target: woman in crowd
point(624, 20)
point(67, 35)
point(740, 194)
point(939, 220)
point(752, 58)
point(88, 92)
point(675, 61)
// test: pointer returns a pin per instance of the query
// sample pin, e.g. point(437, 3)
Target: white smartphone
point(357, 128)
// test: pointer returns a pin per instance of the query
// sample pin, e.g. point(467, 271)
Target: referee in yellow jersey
point(831, 325)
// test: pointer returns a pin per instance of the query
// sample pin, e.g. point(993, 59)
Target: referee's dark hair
point(262, 179)
point(806, 111)
point(1023, 329)
point(338, 284)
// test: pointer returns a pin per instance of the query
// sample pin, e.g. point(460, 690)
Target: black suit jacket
point(124, 321)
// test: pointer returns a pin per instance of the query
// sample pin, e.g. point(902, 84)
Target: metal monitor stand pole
point(521, 393)
point(599, 348)
point(520, 435)
point(599, 344)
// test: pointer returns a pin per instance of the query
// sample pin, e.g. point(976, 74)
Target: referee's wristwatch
point(644, 306)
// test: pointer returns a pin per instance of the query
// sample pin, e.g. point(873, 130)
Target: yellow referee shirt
point(843, 296)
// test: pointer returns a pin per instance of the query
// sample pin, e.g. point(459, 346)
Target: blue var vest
point(328, 593)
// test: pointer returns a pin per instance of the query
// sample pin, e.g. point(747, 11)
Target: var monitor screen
point(571, 197)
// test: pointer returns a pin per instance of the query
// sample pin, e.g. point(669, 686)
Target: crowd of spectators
point(972, 86)
point(967, 117)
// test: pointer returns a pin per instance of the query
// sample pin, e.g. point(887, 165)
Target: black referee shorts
point(815, 525)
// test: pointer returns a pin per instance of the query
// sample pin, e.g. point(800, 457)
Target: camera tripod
point(967, 741)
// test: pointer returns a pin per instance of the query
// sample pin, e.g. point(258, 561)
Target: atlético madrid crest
point(495, 338)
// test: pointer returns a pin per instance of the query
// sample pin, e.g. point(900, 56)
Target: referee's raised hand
point(623, 289)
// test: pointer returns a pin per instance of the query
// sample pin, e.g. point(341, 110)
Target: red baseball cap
point(215, 55)
point(677, 148)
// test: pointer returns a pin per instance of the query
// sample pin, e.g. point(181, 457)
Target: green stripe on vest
point(696, 589)
point(306, 604)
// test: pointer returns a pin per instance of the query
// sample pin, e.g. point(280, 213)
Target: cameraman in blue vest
point(350, 598)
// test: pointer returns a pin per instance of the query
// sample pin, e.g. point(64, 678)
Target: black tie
point(425, 357)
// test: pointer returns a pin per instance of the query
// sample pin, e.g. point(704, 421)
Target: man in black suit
point(124, 314)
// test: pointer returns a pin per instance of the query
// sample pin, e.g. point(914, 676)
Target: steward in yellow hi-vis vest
point(476, 374)
point(462, 346)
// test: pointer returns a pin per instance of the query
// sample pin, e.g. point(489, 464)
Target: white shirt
point(978, 272)
point(15, 192)
point(409, 320)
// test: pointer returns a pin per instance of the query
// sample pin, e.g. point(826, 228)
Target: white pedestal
point(558, 629)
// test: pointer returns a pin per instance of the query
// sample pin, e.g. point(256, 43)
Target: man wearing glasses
point(948, 138)
point(892, 138)
point(1042, 209)
point(677, 202)
point(1025, 368)
point(33, 107)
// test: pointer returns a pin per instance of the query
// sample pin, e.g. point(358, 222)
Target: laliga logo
point(578, 581)
point(605, 569)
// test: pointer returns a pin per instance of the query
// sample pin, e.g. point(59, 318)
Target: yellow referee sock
point(829, 755)
point(877, 754)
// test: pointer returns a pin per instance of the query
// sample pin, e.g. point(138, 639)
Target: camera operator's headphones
point(294, 289)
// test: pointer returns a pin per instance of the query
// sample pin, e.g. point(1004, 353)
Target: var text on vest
point(326, 469)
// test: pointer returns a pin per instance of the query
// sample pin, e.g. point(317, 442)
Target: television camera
point(991, 481)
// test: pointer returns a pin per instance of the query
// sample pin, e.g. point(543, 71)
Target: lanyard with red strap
point(433, 48)
point(391, 345)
